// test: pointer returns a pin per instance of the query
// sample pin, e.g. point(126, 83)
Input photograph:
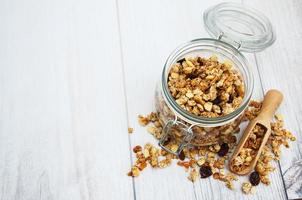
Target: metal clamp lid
point(166, 133)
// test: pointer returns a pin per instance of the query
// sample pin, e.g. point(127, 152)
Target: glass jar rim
point(198, 120)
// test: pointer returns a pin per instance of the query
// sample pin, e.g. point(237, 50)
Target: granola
point(206, 87)
point(212, 158)
point(250, 149)
point(247, 188)
point(130, 130)
point(203, 136)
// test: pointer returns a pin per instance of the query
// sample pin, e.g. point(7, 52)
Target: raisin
point(231, 98)
point(181, 60)
point(192, 76)
point(205, 171)
point(182, 155)
point(255, 178)
point(217, 100)
point(224, 149)
point(199, 60)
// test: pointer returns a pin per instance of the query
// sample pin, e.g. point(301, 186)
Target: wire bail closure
point(166, 133)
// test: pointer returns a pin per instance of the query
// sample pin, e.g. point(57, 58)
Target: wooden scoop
point(271, 102)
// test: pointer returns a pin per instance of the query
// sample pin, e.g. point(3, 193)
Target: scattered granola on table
point(247, 188)
point(206, 161)
point(130, 130)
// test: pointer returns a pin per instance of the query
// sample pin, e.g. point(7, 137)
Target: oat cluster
point(272, 151)
point(247, 188)
point(206, 161)
point(249, 150)
point(199, 162)
point(130, 130)
point(149, 155)
point(206, 87)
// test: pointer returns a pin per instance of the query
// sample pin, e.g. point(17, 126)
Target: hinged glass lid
point(240, 26)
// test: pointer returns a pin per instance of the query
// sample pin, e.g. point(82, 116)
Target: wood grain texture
point(75, 74)
point(63, 123)
point(147, 41)
point(280, 67)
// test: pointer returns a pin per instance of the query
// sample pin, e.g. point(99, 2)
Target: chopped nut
point(164, 163)
point(134, 172)
point(208, 106)
point(229, 185)
point(247, 188)
point(174, 148)
point(146, 153)
point(174, 75)
point(143, 121)
point(201, 161)
point(193, 175)
point(130, 130)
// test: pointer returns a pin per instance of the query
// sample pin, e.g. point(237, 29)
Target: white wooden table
point(75, 74)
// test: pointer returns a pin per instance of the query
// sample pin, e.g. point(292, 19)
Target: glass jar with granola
point(206, 84)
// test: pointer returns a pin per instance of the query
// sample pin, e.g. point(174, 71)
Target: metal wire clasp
point(186, 131)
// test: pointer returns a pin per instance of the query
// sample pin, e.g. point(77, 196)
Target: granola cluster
point(156, 128)
point(199, 162)
point(155, 157)
point(204, 136)
point(249, 150)
point(247, 188)
point(130, 130)
point(206, 87)
point(206, 161)
point(279, 137)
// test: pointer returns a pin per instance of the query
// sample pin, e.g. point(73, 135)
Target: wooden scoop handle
point(271, 102)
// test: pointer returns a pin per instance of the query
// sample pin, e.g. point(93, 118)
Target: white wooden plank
point(280, 67)
point(150, 31)
point(63, 120)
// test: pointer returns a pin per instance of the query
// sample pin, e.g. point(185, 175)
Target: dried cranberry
point(181, 60)
point(224, 149)
point(205, 171)
point(182, 155)
point(255, 178)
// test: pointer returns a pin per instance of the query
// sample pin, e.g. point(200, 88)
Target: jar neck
point(182, 113)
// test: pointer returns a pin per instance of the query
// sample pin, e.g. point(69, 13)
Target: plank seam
point(280, 169)
point(124, 87)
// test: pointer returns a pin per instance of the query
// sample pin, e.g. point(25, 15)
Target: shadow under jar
point(236, 27)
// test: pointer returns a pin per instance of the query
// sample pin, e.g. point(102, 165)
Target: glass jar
point(236, 27)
